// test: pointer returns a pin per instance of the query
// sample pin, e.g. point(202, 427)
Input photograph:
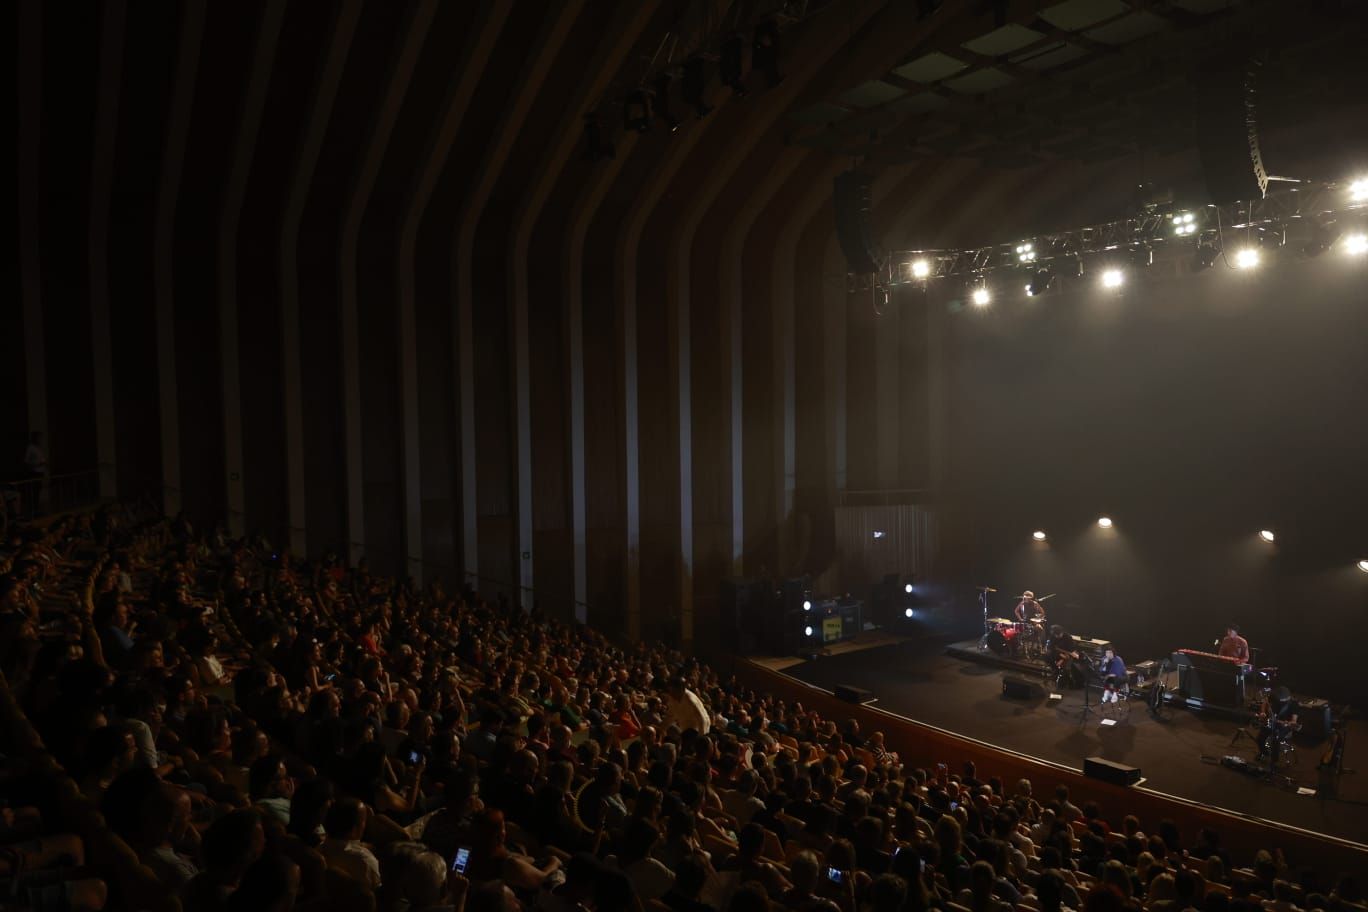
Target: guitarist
point(1276, 721)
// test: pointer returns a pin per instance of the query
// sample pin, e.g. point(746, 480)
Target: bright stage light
point(907, 612)
point(981, 297)
point(807, 631)
point(1026, 253)
point(1267, 535)
point(1363, 565)
point(807, 605)
point(1184, 223)
point(920, 269)
point(1247, 258)
point(1113, 278)
point(908, 588)
point(1358, 190)
point(1356, 244)
point(1038, 535)
point(1104, 521)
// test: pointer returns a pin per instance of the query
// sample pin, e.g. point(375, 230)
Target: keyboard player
point(1234, 646)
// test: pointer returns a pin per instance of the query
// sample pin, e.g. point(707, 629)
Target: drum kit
point(1016, 639)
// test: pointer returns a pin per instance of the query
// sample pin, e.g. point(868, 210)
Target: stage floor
point(917, 679)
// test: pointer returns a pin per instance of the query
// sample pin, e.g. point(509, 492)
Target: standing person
point(685, 709)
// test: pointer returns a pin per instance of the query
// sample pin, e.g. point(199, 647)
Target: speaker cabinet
point(852, 223)
point(1110, 771)
point(852, 694)
point(1021, 689)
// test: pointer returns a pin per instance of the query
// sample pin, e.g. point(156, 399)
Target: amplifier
point(1111, 771)
point(1092, 647)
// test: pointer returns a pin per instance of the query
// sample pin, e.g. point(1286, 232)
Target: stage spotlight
point(1323, 236)
point(878, 534)
point(1206, 255)
point(1183, 223)
point(1363, 565)
point(1268, 536)
point(1038, 535)
point(733, 50)
point(661, 102)
point(693, 84)
point(1104, 522)
point(1040, 282)
point(907, 588)
point(636, 111)
point(1113, 278)
point(1247, 258)
point(1355, 244)
point(807, 605)
point(807, 631)
point(1358, 190)
point(981, 297)
point(1025, 253)
point(907, 612)
point(920, 269)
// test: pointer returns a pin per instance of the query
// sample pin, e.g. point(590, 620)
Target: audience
point(264, 734)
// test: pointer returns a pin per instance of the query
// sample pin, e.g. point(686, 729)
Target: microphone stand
point(983, 604)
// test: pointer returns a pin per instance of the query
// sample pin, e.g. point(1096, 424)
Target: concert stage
point(919, 680)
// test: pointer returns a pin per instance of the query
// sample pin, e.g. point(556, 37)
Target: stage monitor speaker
point(1021, 688)
point(852, 694)
point(851, 199)
point(1314, 716)
point(1110, 771)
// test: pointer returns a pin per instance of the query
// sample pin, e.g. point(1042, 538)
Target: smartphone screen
point(462, 859)
point(835, 876)
point(413, 756)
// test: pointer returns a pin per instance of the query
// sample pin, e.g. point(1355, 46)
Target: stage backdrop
point(1194, 410)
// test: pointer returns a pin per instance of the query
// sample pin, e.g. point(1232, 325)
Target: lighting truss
point(1152, 230)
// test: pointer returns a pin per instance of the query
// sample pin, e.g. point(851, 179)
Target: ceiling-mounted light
point(1040, 282)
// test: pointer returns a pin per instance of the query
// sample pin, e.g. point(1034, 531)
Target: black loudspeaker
point(1223, 135)
point(1314, 716)
point(1109, 771)
point(852, 694)
point(852, 223)
point(1021, 689)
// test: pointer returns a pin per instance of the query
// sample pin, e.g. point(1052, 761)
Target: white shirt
point(353, 859)
point(688, 712)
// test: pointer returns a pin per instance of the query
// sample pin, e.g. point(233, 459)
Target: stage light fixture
point(981, 297)
point(878, 534)
point(1183, 223)
point(807, 631)
point(907, 612)
point(1104, 522)
point(920, 269)
point(1358, 190)
point(1206, 256)
point(1267, 535)
point(693, 83)
point(1247, 258)
point(1113, 278)
point(1355, 244)
point(1040, 282)
point(807, 605)
point(1363, 565)
point(661, 102)
point(636, 111)
point(907, 588)
point(1038, 535)
point(1025, 253)
point(730, 68)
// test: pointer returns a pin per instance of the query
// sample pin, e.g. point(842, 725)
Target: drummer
point(1029, 610)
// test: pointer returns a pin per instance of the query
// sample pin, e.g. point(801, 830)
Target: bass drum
point(997, 642)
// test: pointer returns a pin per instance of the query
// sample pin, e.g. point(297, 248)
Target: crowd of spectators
point(265, 734)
